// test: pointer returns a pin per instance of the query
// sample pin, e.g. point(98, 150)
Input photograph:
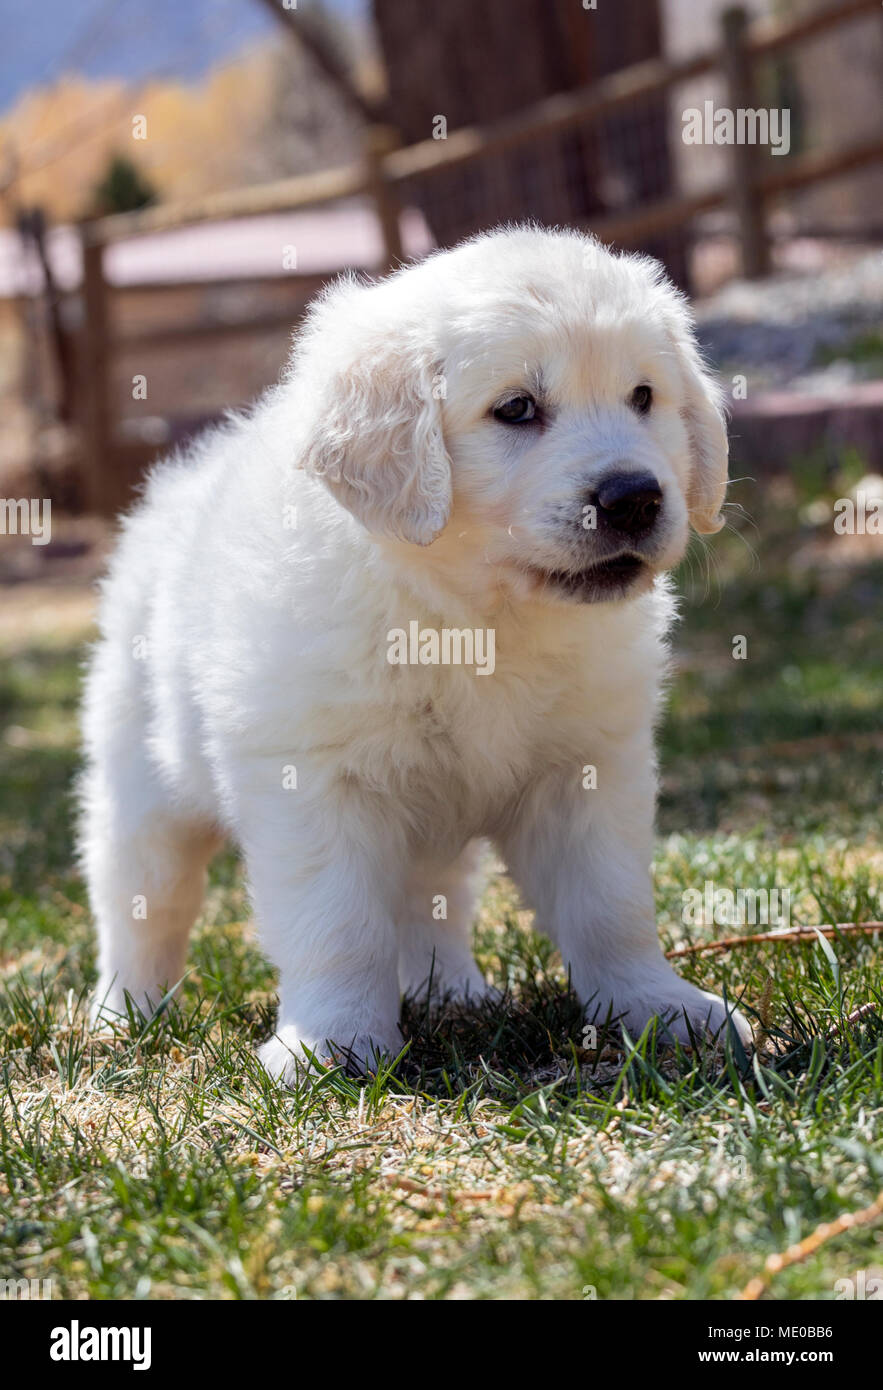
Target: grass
point(865, 349)
point(498, 1158)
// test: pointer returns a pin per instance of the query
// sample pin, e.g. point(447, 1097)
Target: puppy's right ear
point(374, 429)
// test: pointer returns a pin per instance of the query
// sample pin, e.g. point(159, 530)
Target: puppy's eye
point(516, 411)
point(641, 399)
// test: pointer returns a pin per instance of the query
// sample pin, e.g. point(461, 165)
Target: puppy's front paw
point(703, 1012)
point(289, 1057)
point(681, 1009)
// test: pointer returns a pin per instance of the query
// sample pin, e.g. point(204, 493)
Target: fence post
point(379, 140)
point(747, 199)
point(94, 382)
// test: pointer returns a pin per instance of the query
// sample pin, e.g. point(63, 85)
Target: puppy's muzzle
point(629, 503)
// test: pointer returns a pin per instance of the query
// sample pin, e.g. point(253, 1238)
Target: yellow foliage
point(199, 138)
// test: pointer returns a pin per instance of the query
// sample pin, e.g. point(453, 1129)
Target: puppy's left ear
point(375, 431)
point(706, 425)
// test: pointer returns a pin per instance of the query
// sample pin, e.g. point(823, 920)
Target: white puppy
point(502, 446)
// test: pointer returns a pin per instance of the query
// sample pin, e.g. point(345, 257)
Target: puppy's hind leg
point(435, 930)
point(145, 868)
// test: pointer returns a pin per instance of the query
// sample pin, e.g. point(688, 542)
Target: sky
point(129, 39)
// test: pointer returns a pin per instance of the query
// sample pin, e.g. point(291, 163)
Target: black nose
point(629, 502)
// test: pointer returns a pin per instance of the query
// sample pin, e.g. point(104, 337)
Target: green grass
point(865, 349)
point(497, 1158)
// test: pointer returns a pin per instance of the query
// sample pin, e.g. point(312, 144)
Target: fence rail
point(378, 177)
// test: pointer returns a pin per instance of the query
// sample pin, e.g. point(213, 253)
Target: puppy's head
point(529, 404)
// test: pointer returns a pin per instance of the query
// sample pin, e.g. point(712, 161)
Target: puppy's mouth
point(607, 579)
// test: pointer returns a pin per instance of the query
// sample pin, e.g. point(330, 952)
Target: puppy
point(415, 599)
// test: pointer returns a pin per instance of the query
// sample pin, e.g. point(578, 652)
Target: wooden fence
point(748, 190)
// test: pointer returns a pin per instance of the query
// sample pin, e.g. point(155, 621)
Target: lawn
point(499, 1158)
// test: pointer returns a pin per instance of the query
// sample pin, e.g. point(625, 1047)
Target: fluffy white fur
point(244, 632)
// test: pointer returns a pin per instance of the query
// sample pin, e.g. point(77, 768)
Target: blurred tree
point(122, 189)
point(326, 80)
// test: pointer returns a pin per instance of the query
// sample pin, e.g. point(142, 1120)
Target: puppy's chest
point(473, 742)
point(497, 727)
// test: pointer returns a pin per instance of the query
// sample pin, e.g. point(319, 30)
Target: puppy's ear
point(374, 431)
point(706, 425)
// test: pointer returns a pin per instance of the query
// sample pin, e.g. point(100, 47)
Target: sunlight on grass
point(498, 1158)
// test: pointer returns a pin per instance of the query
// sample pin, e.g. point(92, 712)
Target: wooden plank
point(744, 159)
point(283, 195)
point(803, 171)
point(378, 142)
point(817, 167)
point(288, 280)
point(94, 381)
point(589, 105)
point(176, 333)
point(770, 36)
point(557, 113)
point(664, 215)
